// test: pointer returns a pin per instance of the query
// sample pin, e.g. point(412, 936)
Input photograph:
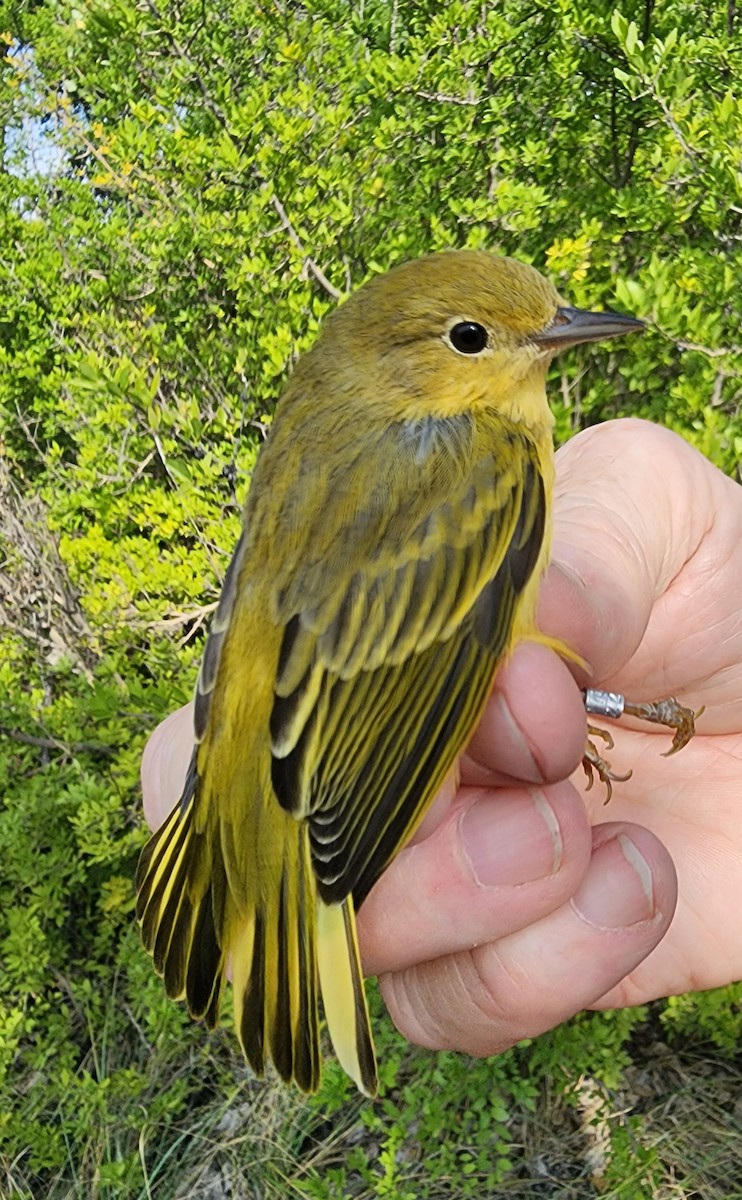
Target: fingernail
point(569, 572)
point(521, 762)
point(511, 839)
point(618, 890)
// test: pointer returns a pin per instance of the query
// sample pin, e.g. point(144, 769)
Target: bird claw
point(594, 764)
point(670, 713)
point(659, 712)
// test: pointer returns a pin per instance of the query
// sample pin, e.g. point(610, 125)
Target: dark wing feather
point(374, 700)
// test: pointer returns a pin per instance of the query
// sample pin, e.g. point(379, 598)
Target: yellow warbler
point(395, 532)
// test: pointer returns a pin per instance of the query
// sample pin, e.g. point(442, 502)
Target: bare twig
point(710, 352)
point(193, 614)
point(441, 98)
point(50, 743)
point(311, 265)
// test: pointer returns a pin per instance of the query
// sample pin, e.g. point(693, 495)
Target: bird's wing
point(381, 680)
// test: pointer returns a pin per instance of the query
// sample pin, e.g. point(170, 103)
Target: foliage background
point(185, 191)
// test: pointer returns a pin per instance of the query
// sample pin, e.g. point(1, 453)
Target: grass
point(156, 1109)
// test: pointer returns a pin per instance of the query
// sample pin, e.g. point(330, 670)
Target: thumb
point(632, 503)
point(165, 764)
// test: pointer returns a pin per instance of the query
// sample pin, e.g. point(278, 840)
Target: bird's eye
point(468, 337)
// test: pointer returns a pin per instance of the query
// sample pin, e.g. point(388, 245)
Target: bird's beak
point(573, 325)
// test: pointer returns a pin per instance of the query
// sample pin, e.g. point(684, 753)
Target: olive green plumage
point(395, 531)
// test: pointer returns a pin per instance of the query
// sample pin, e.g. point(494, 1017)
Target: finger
point(483, 1000)
point(532, 730)
point(165, 763)
point(633, 503)
point(499, 861)
point(533, 727)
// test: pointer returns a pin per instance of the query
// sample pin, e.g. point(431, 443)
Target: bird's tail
point(282, 942)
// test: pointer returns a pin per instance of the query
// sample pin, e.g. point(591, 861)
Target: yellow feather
point(342, 993)
point(562, 649)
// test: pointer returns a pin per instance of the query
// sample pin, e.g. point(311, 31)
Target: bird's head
point(455, 330)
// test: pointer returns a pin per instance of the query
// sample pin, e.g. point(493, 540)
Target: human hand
point(563, 917)
point(650, 537)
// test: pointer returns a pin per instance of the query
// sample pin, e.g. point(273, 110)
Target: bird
point(396, 529)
